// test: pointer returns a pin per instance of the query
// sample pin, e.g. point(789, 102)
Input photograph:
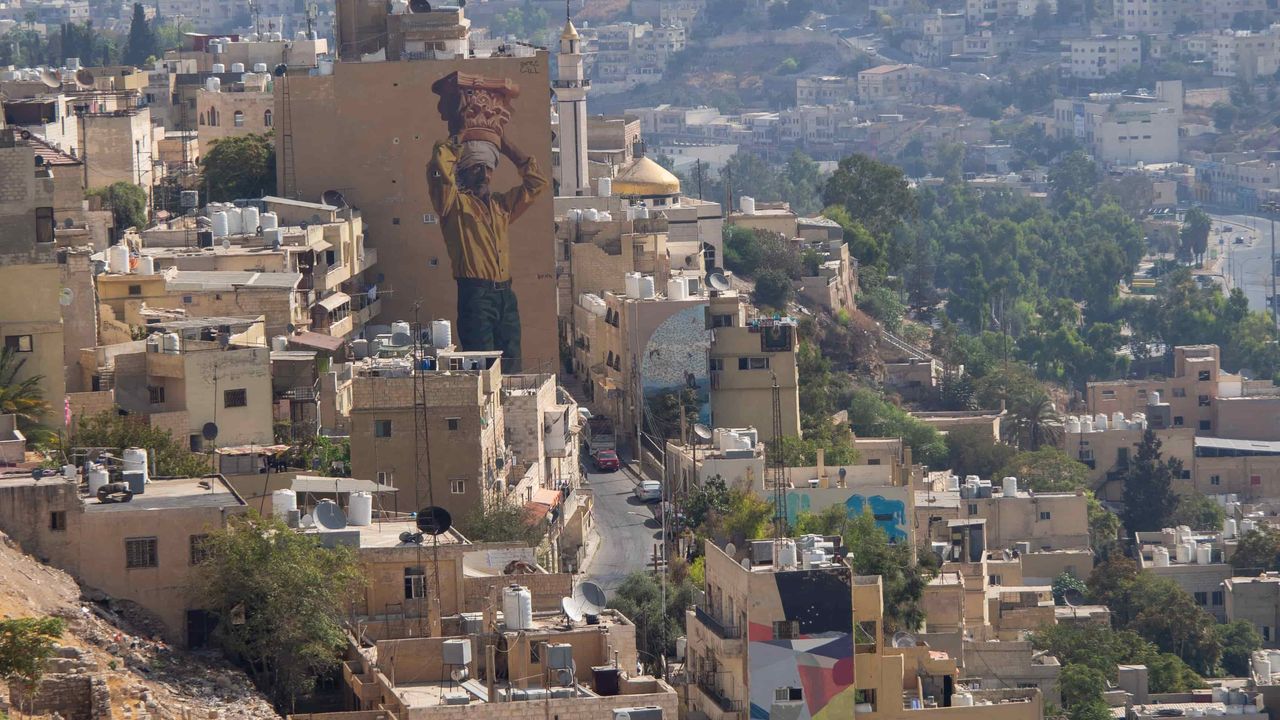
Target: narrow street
point(1246, 265)
point(626, 529)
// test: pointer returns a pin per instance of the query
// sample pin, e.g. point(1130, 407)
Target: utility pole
point(1271, 208)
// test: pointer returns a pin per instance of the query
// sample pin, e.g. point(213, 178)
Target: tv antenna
point(312, 12)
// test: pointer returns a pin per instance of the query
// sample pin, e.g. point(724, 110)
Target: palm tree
point(22, 398)
point(1035, 420)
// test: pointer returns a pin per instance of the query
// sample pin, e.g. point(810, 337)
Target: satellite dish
point(903, 639)
point(842, 472)
point(401, 339)
point(51, 78)
point(304, 225)
point(372, 293)
point(66, 296)
point(330, 516)
point(702, 432)
point(419, 6)
point(459, 674)
point(84, 78)
point(291, 328)
point(571, 609)
point(1073, 598)
point(334, 198)
point(717, 281)
point(434, 520)
point(280, 70)
point(209, 431)
point(226, 243)
point(37, 473)
point(593, 599)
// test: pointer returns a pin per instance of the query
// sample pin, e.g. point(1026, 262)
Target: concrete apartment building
point(623, 55)
point(141, 551)
point(1246, 54)
point(1101, 57)
point(1107, 451)
point(1255, 600)
point(1195, 561)
point(240, 108)
point(764, 615)
point(826, 90)
point(887, 83)
point(1044, 521)
point(1148, 16)
point(748, 358)
point(30, 278)
point(322, 245)
point(1122, 129)
point(1190, 391)
point(189, 373)
point(465, 458)
point(1239, 180)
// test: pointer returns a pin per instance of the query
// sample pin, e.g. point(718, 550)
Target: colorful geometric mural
point(890, 514)
point(808, 676)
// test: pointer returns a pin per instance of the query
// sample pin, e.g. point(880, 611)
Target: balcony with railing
point(721, 639)
point(723, 631)
point(727, 708)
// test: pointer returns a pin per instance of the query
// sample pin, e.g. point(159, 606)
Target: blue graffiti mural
point(890, 514)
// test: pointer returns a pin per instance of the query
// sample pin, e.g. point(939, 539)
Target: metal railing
point(718, 697)
point(724, 632)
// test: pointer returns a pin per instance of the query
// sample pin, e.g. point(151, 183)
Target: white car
point(648, 491)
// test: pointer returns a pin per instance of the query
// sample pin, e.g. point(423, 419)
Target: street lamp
point(1272, 207)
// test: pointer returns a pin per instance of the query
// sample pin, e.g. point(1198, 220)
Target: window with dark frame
point(453, 423)
point(198, 552)
point(58, 520)
point(415, 583)
point(382, 428)
point(238, 397)
point(141, 553)
point(18, 343)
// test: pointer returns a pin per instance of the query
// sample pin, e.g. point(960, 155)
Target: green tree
point(127, 203)
point(1072, 180)
point(109, 430)
point(23, 398)
point(1238, 639)
point(870, 415)
point(1149, 499)
point(501, 520)
point(1035, 420)
point(874, 194)
point(1195, 234)
point(904, 577)
point(1047, 470)
point(1081, 685)
point(25, 645)
point(1257, 551)
point(279, 597)
point(639, 597)
point(972, 451)
point(1102, 648)
point(142, 39)
point(240, 167)
point(1065, 583)
point(1224, 116)
point(1197, 512)
point(1104, 528)
point(1042, 20)
point(773, 289)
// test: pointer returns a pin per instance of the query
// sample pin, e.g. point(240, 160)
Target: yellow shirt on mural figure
point(475, 230)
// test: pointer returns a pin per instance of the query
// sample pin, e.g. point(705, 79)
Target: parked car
point(607, 460)
point(1239, 239)
point(648, 491)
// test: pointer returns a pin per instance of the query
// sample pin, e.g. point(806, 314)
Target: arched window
point(238, 118)
point(266, 118)
point(213, 117)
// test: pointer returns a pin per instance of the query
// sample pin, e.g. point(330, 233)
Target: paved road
point(1247, 264)
point(626, 528)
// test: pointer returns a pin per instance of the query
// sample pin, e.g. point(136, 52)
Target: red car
point(607, 460)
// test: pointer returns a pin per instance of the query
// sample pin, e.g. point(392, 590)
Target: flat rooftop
point(387, 535)
point(179, 493)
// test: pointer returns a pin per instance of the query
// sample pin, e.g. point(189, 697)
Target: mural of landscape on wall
point(814, 669)
point(890, 513)
point(675, 359)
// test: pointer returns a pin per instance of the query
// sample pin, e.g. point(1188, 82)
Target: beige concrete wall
point(224, 105)
point(29, 307)
point(119, 149)
point(210, 374)
point(1255, 418)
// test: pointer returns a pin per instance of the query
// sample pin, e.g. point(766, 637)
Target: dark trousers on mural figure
point(489, 319)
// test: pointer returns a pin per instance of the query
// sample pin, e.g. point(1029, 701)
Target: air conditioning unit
point(457, 652)
point(560, 656)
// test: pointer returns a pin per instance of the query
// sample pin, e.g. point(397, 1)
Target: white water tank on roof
point(400, 326)
point(1204, 554)
point(677, 289)
point(260, 67)
point(146, 265)
point(1229, 528)
point(784, 553)
point(234, 226)
point(1073, 425)
point(213, 84)
point(962, 699)
point(268, 220)
point(237, 67)
point(170, 343)
point(135, 460)
point(1247, 526)
point(280, 343)
point(646, 287)
point(517, 607)
point(1117, 419)
point(360, 509)
point(631, 284)
point(218, 68)
point(605, 187)
point(747, 204)
point(118, 259)
point(1261, 664)
point(1182, 553)
point(441, 333)
point(283, 501)
point(97, 478)
point(219, 219)
point(250, 219)
point(1100, 422)
point(1010, 486)
point(1160, 556)
point(1153, 398)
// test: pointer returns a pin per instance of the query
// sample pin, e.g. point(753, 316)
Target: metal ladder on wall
point(290, 188)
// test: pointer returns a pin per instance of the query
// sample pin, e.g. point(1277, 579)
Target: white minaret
point(571, 103)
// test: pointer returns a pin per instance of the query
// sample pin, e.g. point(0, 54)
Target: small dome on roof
point(645, 178)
